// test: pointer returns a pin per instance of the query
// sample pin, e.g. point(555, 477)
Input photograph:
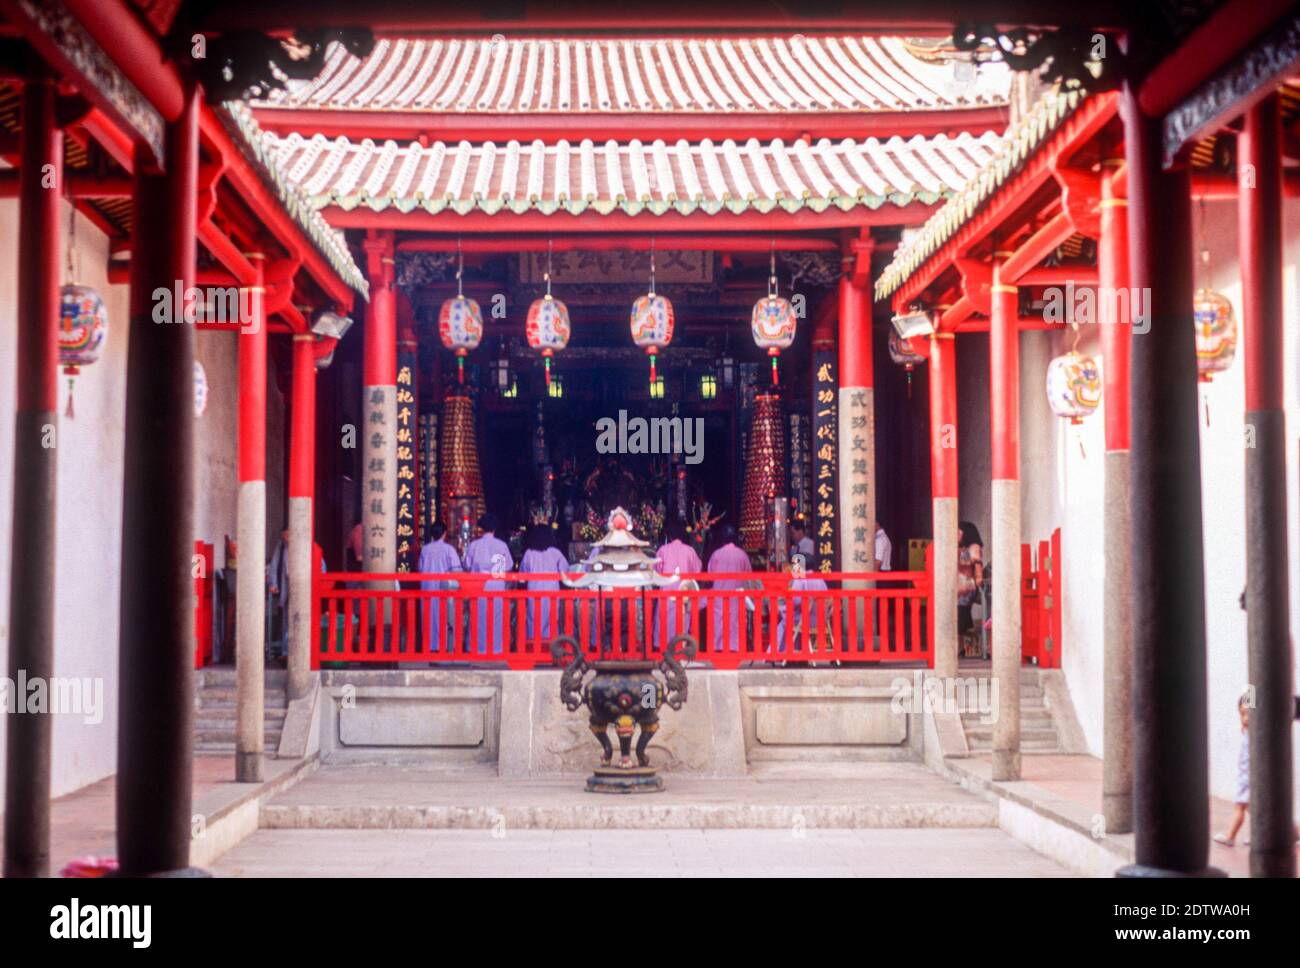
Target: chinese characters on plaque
point(375, 502)
point(408, 538)
point(857, 477)
point(825, 479)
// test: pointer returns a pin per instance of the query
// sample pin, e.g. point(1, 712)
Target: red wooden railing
point(203, 585)
point(1040, 603)
point(860, 617)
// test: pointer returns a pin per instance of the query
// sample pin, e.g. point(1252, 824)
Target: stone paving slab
point(980, 852)
point(784, 796)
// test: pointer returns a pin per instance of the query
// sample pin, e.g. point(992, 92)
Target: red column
point(302, 489)
point(379, 429)
point(1171, 758)
point(943, 492)
point(250, 616)
point(156, 646)
point(1116, 347)
point(857, 422)
point(1259, 235)
point(31, 573)
point(1004, 415)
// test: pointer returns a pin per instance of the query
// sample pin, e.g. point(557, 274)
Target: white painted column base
point(300, 596)
point(1006, 628)
point(250, 631)
point(945, 587)
point(1117, 728)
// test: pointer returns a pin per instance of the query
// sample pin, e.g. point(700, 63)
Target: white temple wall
point(1223, 475)
point(89, 501)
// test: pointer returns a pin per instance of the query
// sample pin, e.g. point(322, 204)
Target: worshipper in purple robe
point(728, 559)
point(676, 557)
point(438, 557)
point(489, 555)
point(541, 555)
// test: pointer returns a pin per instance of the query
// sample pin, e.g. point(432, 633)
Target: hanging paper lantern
point(548, 328)
point(460, 325)
point(773, 322)
point(765, 469)
point(200, 389)
point(460, 321)
point(83, 326)
point(1216, 333)
point(901, 352)
point(652, 320)
point(1073, 386)
point(652, 325)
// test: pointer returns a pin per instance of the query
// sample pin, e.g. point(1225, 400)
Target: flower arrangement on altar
point(593, 529)
point(650, 519)
point(702, 519)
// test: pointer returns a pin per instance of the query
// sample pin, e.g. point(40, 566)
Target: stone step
point(1025, 747)
point(205, 738)
point(225, 699)
point(228, 676)
point(985, 733)
point(269, 718)
point(615, 813)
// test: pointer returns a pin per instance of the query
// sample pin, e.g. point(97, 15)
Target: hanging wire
point(72, 243)
point(651, 265)
point(460, 269)
point(550, 247)
point(772, 289)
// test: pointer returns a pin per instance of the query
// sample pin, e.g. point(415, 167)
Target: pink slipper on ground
point(1225, 840)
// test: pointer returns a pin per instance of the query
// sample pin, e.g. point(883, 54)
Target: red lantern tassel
point(776, 380)
point(68, 411)
point(460, 368)
point(548, 371)
point(653, 375)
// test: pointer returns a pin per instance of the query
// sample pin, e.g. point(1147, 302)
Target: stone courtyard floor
point(984, 852)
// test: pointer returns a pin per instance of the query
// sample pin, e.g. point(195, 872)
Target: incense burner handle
point(681, 649)
point(566, 651)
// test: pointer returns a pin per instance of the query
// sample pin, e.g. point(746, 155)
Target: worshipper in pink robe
point(438, 557)
point(728, 559)
point(676, 557)
point(488, 554)
point(541, 555)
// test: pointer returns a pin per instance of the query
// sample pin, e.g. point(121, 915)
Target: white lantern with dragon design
point(1073, 386)
point(1216, 333)
point(83, 327)
point(652, 321)
point(548, 327)
point(773, 322)
point(460, 323)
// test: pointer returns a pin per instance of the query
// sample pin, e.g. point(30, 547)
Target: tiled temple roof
point(327, 240)
point(631, 177)
point(1017, 146)
point(669, 75)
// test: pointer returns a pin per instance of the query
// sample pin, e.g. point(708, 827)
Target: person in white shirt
point(803, 545)
point(884, 550)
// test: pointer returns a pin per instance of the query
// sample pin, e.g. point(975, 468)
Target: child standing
point(1242, 800)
